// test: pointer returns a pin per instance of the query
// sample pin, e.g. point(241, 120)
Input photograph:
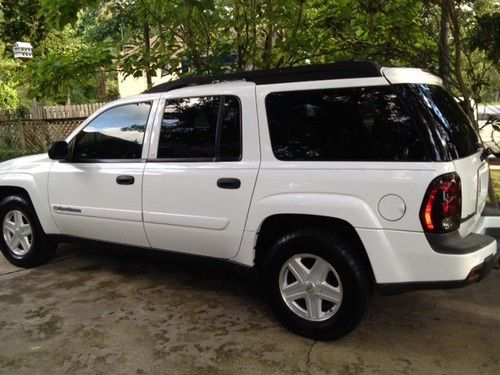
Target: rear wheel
point(316, 284)
point(23, 241)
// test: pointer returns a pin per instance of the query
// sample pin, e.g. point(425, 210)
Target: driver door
point(97, 194)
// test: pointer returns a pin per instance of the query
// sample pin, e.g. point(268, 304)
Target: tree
point(205, 36)
point(59, 75)
point(452, 38)
point(9, 97)
point(435, 35)
point(22, 21)
point(59, 13)
point(66, 65)
point(486, 35)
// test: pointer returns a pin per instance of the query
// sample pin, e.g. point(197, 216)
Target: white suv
point(328, 180)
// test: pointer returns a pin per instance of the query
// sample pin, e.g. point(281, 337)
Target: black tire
point(352, 272)
point(42, 248)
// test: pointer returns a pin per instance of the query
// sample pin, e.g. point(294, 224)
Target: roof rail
point(338, 70)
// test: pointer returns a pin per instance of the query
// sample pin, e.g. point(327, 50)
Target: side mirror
point(59, 150)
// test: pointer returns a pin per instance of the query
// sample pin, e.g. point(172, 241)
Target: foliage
point(457, 39)
point(486, 35)
point(61, 12)
point(212, 36)
point(22, 21)
point(436, 35)
point(9, 97)
point(8, 153)
point(111, 21)
point(58, 74)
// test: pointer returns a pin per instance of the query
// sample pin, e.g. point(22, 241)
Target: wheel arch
point(25, 185)
point(6, 190)
point(277, 225)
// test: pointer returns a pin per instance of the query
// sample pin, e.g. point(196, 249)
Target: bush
point(6, 154)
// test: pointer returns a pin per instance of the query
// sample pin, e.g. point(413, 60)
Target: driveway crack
point(308, 363)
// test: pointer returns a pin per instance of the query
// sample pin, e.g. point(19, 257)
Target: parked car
point(329, 181)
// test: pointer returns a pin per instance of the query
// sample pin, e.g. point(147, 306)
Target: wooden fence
point(77, 111)
point(56, 112)
point(34, 130)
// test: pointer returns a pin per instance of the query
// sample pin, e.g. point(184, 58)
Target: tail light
point(442, 206)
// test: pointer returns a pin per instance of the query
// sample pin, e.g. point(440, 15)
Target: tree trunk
point(102, 92)
point(453, 12)
point(147, 54)
point(444, 47)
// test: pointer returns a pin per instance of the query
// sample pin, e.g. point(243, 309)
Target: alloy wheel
point(310, 287)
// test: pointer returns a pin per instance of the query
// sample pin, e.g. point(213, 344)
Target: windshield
point(451, 123)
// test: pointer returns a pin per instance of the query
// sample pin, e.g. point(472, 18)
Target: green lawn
point(495, 176)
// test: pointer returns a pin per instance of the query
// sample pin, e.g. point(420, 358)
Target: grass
point(495, 177)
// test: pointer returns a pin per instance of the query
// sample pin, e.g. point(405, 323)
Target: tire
point(40, 250)
point(347, 281)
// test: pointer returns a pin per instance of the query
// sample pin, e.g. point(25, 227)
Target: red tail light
point(442, 206)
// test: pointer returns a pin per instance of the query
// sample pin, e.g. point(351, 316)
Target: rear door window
point(188, 128)
point(204, 128)
point(368, 123)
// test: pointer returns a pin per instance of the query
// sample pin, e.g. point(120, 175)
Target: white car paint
point(181, 200)
point(177, 206)
point(104, 210)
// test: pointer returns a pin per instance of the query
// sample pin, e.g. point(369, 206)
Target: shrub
point(6, 154)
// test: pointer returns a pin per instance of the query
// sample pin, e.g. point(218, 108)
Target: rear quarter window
point(348, 124)
point(449, 120)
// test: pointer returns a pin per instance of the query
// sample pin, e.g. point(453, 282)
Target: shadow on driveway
point(102, 311)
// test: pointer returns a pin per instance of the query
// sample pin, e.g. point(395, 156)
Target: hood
point(25, 163)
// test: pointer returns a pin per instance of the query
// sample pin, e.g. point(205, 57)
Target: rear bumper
point(452, 262)
point(401, 257)
point(478, 273)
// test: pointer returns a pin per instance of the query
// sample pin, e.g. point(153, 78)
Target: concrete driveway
point(99, 311)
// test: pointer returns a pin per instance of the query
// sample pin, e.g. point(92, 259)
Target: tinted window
point(342, 124)
point(189, 128)
point(230, 138)
point(452, 124)
point(117, 133)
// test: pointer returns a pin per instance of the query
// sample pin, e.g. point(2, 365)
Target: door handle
point(125, 180)
point(228, 183)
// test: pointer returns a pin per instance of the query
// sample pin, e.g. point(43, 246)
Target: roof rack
point(338, 70)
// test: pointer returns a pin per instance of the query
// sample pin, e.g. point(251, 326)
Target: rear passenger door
point(200, 176)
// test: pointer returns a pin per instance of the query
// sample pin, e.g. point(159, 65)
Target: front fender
point(36, 187)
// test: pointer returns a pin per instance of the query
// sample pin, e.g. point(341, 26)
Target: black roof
point(341, 69)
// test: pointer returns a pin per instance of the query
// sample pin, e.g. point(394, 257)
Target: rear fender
point(348, 208)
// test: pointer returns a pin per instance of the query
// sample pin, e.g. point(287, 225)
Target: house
point(129, 85)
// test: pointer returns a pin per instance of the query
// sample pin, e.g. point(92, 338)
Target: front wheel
point(23, 241)
point(316, 283)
